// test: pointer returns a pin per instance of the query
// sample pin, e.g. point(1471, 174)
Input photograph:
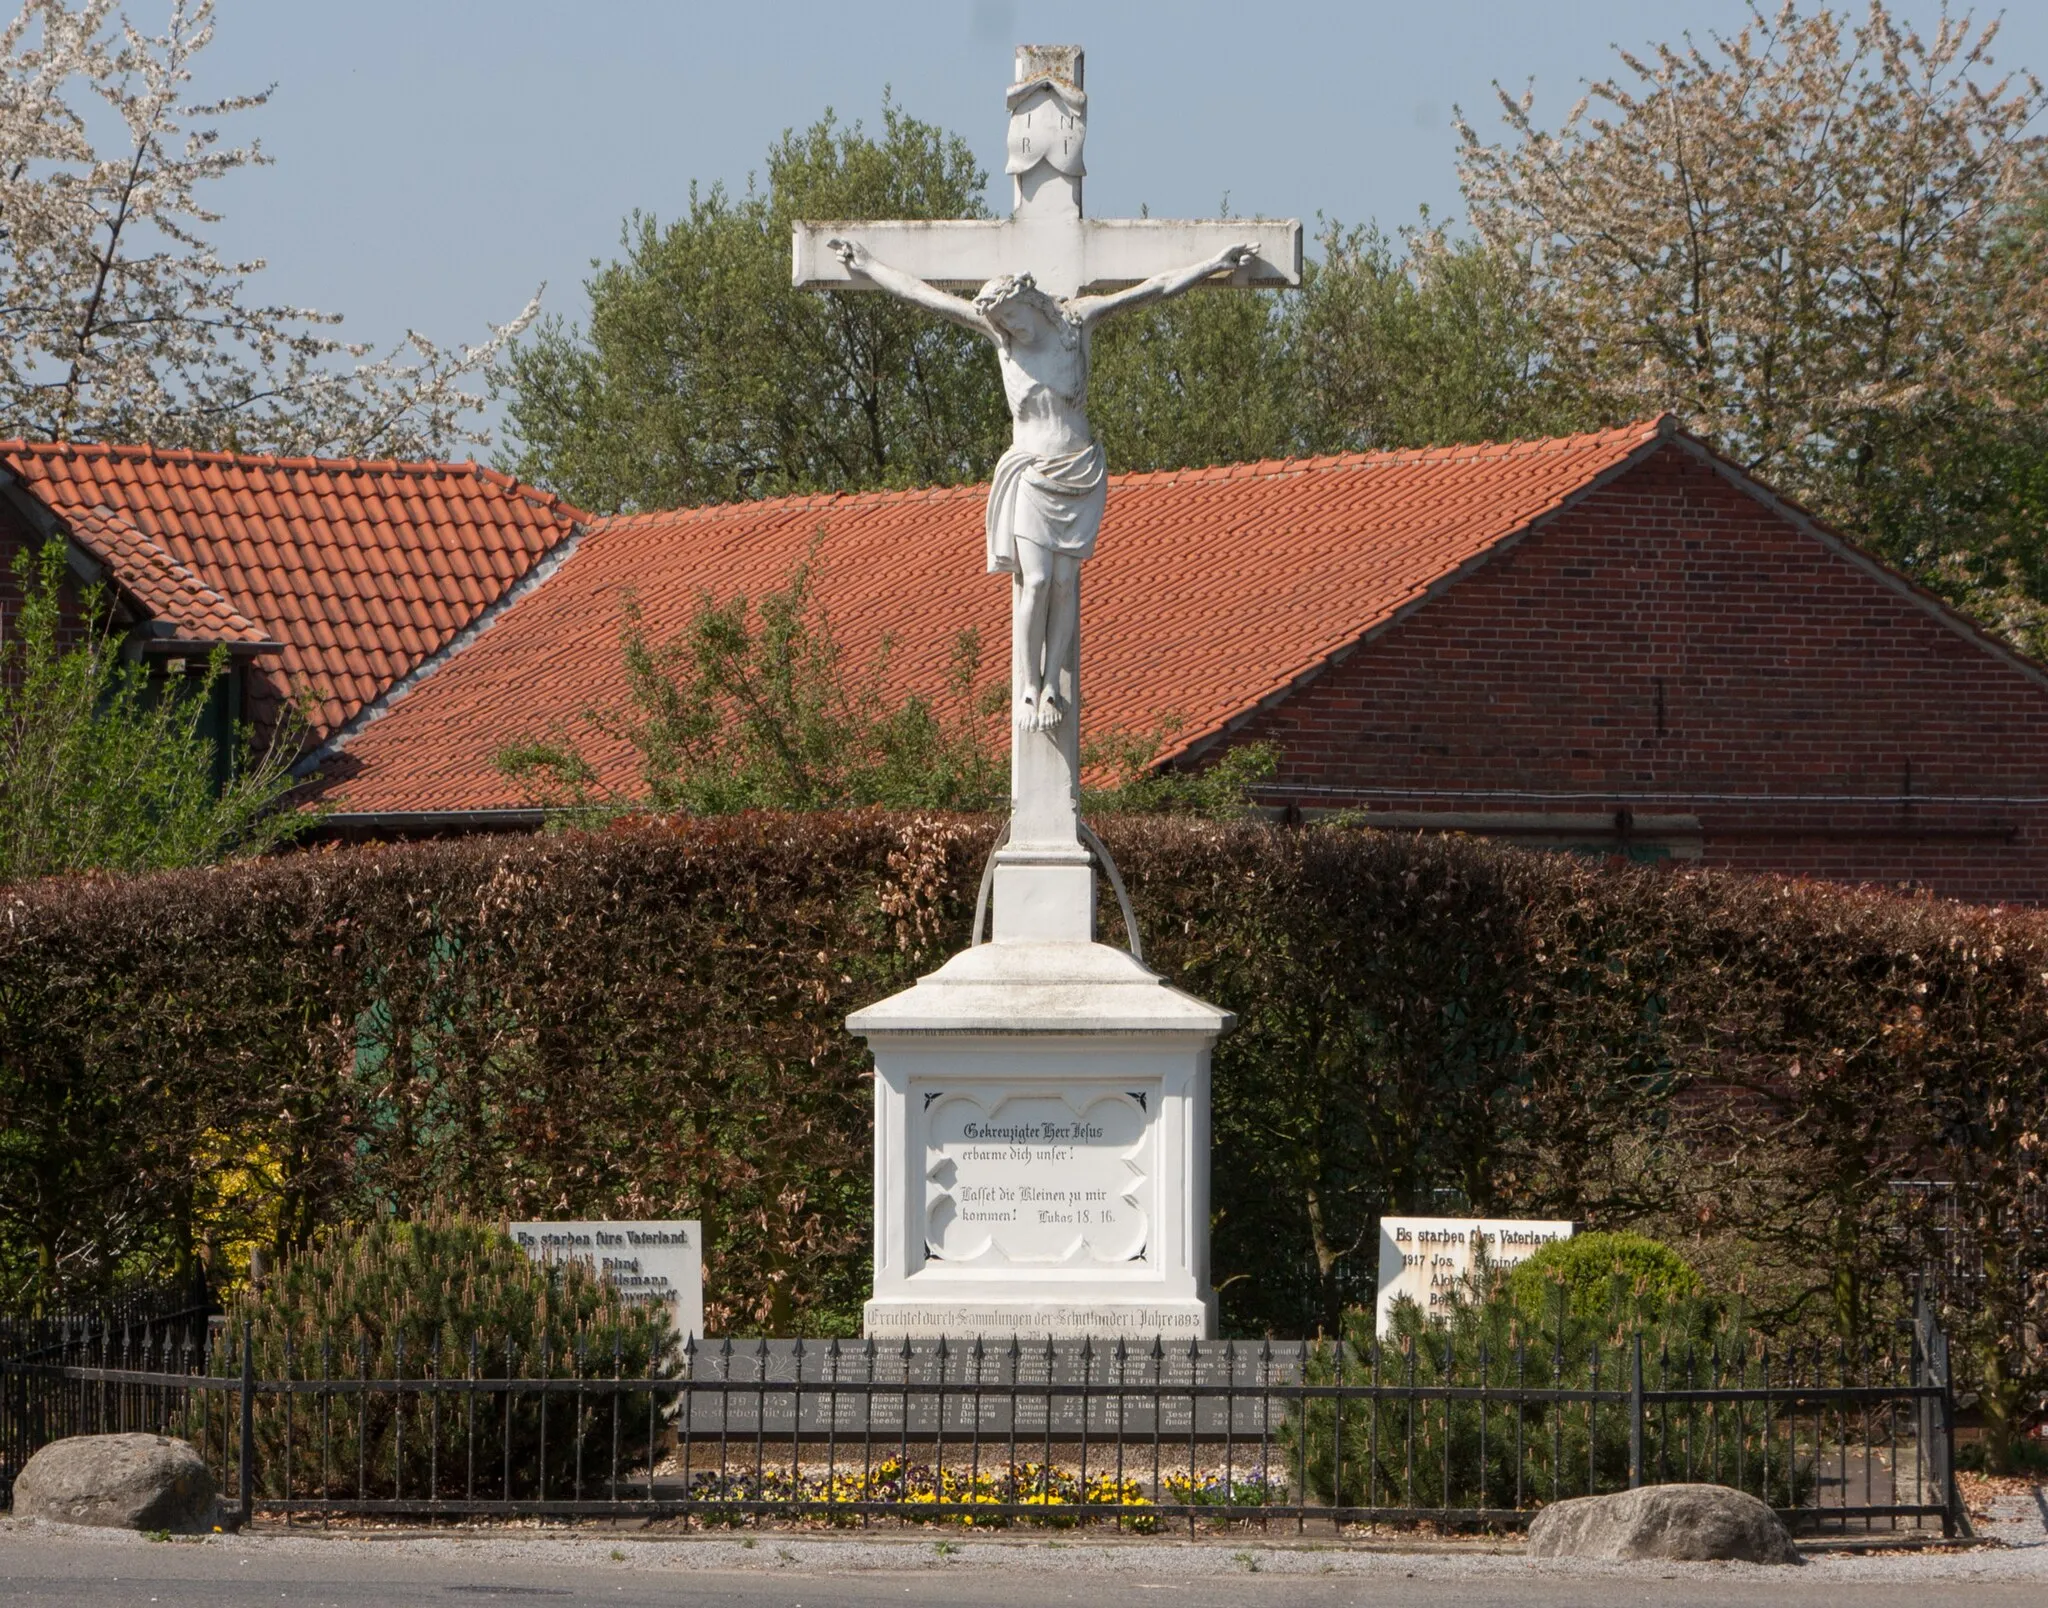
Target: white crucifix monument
point(1042, 1100)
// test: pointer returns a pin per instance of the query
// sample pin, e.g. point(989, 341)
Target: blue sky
point(436, 160)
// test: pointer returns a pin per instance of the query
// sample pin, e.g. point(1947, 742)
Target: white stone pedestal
point(1041, 1147)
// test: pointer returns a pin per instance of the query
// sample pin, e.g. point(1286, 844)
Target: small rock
point(1685, 1523)
point(123, 1482)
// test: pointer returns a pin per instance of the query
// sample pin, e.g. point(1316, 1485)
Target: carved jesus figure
point(1045, 507)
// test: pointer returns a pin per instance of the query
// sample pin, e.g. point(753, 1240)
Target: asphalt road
point(43, 1570)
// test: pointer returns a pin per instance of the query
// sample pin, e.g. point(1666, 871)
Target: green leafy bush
point(108, 764)
point(1603, 1275)
point(754, 706)
point(437, 1299)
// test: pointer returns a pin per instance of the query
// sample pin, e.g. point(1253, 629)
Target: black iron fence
point(1946, 1229)
point(170, 1313)
point(1257, 1433)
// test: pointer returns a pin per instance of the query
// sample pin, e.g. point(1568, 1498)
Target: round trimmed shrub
point(1604, 1275)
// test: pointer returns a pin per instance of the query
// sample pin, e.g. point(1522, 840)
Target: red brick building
point(1686, 664)
point(1617, 642)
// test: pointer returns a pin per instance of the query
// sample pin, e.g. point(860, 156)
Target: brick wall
point(1671, 645)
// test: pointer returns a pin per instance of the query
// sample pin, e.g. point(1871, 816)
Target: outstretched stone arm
point(908, 287)
point(1162, 287)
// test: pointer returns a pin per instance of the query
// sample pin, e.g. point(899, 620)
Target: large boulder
point(1684, 1523)
point(125, 1482)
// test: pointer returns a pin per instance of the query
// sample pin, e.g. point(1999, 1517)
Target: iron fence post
point(246, 1460)
point(1635, 1415)
point(1937, 1415)
point(1954, 1520)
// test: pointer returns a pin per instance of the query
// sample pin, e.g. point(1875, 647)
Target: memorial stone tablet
point(1028, 1177)
point(644, 1261)
point(1430, 1259)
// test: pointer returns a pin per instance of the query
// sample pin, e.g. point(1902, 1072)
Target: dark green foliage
point(107, 765)
point(2028, 1458)
point(1962, 506)
point(1220, 791)
point(1209, 378)
point(440, 1297)
point(1603, 1274)
point(703, 376)
point(1417, 1452)
point(1422, 341)
point(647, 1021)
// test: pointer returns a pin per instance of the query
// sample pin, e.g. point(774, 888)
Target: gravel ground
point(2015, 1553)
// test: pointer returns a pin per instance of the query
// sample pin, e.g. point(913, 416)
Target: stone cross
point(1046, 234)
point(1047, 500)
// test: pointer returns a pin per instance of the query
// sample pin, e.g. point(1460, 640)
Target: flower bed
point(947, 1495)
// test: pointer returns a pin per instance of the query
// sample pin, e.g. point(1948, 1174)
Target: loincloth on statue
point(1054, 502)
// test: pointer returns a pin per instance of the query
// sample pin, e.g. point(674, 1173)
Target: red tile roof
point(166, 589)
point(1213, 591)
point(361, 569)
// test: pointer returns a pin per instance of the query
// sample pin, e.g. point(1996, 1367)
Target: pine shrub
point(1468, 1454)
point(441, 1299)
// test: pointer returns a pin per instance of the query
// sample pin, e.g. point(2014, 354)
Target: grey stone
point(1682, 1523)
point(122, 1482)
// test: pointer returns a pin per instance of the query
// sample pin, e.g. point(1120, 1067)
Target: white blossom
point(1798, 237)
point(119, 321)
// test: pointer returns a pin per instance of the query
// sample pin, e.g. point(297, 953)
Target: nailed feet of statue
point(1038, 711)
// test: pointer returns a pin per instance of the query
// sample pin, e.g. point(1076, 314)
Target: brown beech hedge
point(1793, 1081)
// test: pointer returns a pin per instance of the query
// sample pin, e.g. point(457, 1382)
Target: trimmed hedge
point(648, 1021)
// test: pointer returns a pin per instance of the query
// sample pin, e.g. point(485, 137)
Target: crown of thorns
point(1008, 287)
point(1023, 288)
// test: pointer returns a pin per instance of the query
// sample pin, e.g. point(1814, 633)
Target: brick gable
point(1672, 645)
